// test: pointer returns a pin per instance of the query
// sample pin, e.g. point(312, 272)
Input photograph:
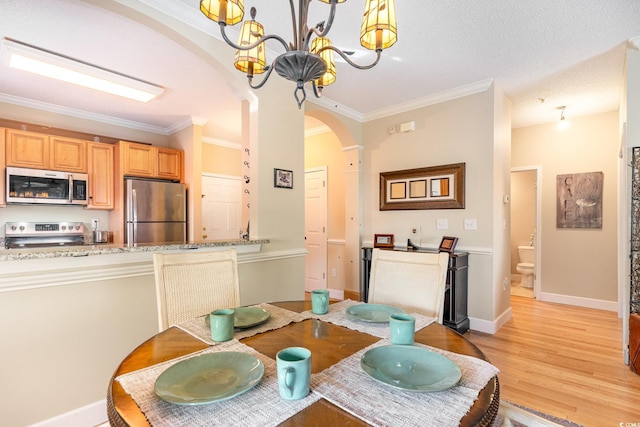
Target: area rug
point(511, 414)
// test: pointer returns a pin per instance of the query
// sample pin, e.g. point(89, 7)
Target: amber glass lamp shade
point(327, 56)
point(228, 11)
point(378, 30)
point(251, 61)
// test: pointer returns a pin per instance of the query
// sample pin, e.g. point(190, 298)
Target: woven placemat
point(348, 386)
point(279, 317)
point(337, 315)
point(260, 406)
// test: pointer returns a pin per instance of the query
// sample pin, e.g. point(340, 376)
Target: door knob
point(204, 236)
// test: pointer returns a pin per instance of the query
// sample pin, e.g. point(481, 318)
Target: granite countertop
point(104, 249)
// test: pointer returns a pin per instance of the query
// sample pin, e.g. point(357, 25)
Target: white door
point(315, 224)
point(221, 207)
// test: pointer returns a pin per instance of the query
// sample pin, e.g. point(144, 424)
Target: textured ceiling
point(565, 53)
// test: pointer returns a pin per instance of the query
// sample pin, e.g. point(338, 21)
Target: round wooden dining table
point(328, 343)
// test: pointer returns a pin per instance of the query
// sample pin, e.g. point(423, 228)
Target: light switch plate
point(470, 224)
point(442, 224)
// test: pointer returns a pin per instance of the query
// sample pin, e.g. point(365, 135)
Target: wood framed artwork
point(383, 241)
point(282, 178)
point(448, 244)
point(435, 187)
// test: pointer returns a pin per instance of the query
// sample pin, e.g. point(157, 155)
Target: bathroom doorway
point(525, 231)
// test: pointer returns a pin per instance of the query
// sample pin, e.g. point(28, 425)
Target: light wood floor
point(564, 361)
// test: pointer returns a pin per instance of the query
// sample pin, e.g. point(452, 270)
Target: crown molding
point(81, 114)
point(436, 98)
point(221, 142)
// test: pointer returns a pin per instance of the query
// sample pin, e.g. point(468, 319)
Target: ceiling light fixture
point(305, 60)
point(49, 64)
point(562, 124)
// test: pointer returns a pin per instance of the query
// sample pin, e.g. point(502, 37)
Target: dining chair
point(410, 280)
point(193, 284)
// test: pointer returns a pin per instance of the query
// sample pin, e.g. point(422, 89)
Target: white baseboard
point(488, 326)
point(90, 415)
point(336, 294)
point(579, 301)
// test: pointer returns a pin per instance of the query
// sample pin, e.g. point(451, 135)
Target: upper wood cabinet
point(101, 184)
point(150, 161)
point(68, 154)
point(39, 151)
point(27, 149)
point(169, 164)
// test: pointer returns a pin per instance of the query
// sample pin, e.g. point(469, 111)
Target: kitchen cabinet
point(101, 183)
point(40, 151)
point(27, 149)
point(68, 154)
point(150, 161)
point(169, 163)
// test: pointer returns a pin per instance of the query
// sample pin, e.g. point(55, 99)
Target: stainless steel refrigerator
point(155, 211)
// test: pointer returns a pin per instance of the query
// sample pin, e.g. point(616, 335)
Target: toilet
point(527, 256)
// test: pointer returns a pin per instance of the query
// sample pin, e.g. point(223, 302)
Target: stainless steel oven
point(43, 234)
point(35, 186)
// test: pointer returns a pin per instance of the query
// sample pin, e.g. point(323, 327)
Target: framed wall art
point(435, 187)
point(282, 178)
point(383, 241)
point(448, 244)
point(579, 200)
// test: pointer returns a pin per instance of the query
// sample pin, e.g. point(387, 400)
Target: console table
point(455, 297)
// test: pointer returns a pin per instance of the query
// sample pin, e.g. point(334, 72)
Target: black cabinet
point(455, 297)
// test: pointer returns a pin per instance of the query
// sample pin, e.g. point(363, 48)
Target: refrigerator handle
point(134, 216)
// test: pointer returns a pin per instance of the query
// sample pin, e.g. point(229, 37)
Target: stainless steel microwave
point(35, 186)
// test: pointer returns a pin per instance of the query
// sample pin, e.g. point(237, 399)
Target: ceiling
point(542, 54)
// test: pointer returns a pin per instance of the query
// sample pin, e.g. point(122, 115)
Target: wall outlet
point(334, 273)
point(470, 224)
point(442, 224)
point(95, 224)
point(505, 284)
point(414, 231)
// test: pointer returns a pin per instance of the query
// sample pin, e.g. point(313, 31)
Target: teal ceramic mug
point(221, 323)
point(320, 301)
point(402, 328)
point(293, 366)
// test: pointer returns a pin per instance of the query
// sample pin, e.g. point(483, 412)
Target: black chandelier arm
point(316, 92)
point(252, 45)
point(293, 23)
point(350, 62)
point(264, 79)
point(322, 28)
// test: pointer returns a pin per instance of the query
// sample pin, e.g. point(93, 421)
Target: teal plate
point(410, 368)
point(247, 317)
point(372, 313)
point(209, 378)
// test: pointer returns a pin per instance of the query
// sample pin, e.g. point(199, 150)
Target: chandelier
point(306, 58)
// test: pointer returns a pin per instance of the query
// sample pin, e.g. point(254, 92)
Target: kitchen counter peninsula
point(242, 246)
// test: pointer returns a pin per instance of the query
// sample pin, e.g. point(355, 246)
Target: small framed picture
point(448, 244)
point(282, 178)
point(383, 241)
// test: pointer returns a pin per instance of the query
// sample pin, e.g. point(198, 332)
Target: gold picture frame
point(435, 187)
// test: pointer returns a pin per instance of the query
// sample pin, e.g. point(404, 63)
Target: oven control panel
point(44, 228)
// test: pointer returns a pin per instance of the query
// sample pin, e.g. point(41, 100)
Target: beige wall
point(475, 130)
point(578, 263)
point(221, 160)
point(523, 211)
